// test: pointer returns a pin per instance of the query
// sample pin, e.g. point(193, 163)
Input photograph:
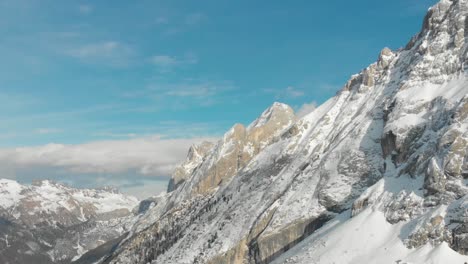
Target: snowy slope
point(61, 223)
point(388, 153)
point(366, 238)
point(10, 193)
point(42, 200)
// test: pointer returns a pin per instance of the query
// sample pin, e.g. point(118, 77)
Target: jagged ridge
point(390, 147)
point(48, 222)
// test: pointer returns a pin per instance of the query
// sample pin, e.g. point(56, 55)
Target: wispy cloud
point(306, 109)
point(293, 92)
point(182, 23)
point(104, 49)
point(165, 129)
point(46, 131)
point(16, 102)
point(164, 60)
point(327, 87)
point(194, 18)
point(85, 9)
point(111, 52)
point(195, 90)
point(161, 20)
point(189, 88)
point(7, 136)
point(288, 92)
point(115, 135)
point(168, 63)
point(61, 115)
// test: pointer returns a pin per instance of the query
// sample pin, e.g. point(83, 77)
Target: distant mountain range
point(49, 222)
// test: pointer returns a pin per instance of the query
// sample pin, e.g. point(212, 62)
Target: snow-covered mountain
point(377, 174)
point(49, 222)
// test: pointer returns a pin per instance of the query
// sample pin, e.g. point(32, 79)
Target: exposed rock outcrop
point(389, 149)
point(237, 148)
point(195, 157)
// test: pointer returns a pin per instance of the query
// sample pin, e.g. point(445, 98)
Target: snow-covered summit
point(49, 222)
point(48, 201)
point(274, 113)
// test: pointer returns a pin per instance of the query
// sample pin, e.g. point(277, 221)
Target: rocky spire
point(230, 154)
point(195, 157)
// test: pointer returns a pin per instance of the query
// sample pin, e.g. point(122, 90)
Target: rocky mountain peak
point(200, 150)
point(234, 151)
point(195, 157)
point(444, 14)
point(436, 54)
point(277, 112)
point(385, 58)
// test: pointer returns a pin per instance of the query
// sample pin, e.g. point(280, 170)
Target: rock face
point(195, 157)
point(52, 223)
point(236, 149)
point(388, 151)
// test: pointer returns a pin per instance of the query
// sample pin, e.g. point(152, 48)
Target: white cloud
point(188, 92)
point(164, 61)
point(194, 90)
point(45, 131)
point(306, 109)
point(137, 166)
point(149, 156)
point(293, 92)
point(115, 135)
point(103, 49)
point(328, 87)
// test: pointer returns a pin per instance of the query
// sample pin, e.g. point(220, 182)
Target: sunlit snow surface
point(49, 196)
point(365, 238)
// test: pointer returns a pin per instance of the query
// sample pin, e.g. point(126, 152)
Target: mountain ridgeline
point(389, 151)
point(49, 222)
point(376, 174)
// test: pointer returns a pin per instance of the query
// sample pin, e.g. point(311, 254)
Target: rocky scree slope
point(48, 222)
point(389, 150)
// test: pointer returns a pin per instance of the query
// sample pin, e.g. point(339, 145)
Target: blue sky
point(79, 72)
